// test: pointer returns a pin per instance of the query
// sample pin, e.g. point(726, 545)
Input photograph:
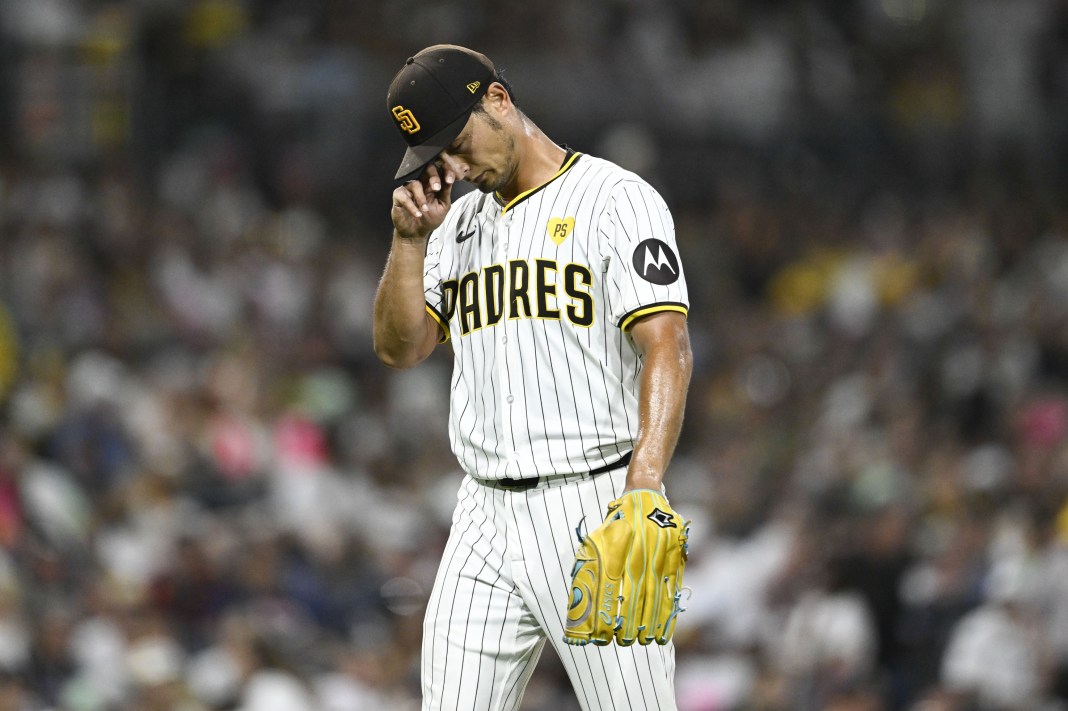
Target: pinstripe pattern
point(498, 598)
point(536, 302)
point(538, 395)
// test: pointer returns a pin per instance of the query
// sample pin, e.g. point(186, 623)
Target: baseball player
point(559, 287)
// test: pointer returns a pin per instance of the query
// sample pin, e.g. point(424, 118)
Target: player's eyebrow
point(458, 142)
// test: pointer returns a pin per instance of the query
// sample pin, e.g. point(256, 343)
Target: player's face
point(487, 152)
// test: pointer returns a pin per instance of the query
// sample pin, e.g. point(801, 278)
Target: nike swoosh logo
point(463, 237)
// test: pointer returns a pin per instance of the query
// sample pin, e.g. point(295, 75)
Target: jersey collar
point(569, 160)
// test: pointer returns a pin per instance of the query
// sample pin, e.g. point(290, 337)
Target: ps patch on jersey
point(559, 229)
point(655, 262)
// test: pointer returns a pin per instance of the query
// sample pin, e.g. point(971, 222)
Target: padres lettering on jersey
point(536, 297)
point(533, 292)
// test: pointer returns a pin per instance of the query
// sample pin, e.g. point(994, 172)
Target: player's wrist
point(639, 482)
point(419, 238)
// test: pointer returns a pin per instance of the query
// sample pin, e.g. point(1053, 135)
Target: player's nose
point(454, 165)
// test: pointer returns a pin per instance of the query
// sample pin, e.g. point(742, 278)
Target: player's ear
point(497, 98)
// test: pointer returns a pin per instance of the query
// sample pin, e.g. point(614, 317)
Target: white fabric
point(537, 393)
point(994, 655)
point(502, 591)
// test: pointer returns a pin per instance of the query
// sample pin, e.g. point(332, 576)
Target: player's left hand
point(626, 585)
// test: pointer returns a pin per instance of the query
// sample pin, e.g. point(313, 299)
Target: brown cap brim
point(416, 158)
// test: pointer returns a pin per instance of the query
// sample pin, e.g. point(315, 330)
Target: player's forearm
point(662, 402)
point(403, 332)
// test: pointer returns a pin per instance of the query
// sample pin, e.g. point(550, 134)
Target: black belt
point(531, 482)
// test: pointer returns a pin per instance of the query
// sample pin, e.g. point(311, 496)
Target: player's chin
point(485, 182)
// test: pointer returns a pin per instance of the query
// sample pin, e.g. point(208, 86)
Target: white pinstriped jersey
point(537, 296)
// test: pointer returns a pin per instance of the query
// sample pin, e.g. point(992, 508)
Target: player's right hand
point(420, 205)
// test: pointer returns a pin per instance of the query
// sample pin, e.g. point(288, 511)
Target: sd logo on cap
point(431, 98)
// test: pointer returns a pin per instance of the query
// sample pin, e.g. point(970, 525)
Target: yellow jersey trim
point(628, 320)
point(524, 195)
point(442, 323)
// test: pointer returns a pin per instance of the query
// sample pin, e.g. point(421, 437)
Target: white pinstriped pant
point(501, 591)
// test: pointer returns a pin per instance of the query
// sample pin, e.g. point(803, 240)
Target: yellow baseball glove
point(627, 580)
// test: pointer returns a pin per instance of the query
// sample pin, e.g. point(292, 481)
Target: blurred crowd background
point(213, 497)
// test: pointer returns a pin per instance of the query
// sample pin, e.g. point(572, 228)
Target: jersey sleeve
point(644, 273)
point(434, 291)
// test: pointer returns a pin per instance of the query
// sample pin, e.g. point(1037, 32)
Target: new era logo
point(473, 86)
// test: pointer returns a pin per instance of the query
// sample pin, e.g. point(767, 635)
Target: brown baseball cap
point(431, 98)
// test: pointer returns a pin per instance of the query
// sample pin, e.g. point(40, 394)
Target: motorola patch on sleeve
point(655, 262)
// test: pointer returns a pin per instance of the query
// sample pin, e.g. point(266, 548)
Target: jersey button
point(504, 339)
point(510, 399)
